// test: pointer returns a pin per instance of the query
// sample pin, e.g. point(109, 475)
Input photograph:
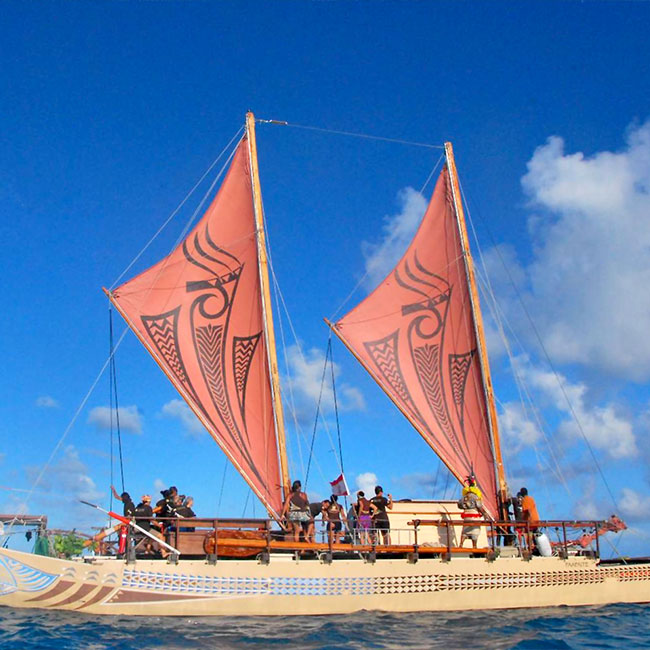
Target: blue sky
point(112, 110)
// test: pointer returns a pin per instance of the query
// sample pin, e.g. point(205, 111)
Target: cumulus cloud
point(67, 479)
point(634, 506)
point(130, 418)
point(304, 385)
point(46, 402)
point(176, 408)
point(517, 427)
point(367, 482)
point(398, 231)
point(586, 284)
point(601, 424)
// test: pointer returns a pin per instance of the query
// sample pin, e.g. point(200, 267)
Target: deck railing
point(259, 538)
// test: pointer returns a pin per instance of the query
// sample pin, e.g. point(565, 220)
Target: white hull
point(286, 586)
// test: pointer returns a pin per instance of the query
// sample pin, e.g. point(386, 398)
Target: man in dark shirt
point(378, 505)
point(144, 513)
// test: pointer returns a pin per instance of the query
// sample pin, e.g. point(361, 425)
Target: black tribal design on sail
point(426, 337)
point(385, 354)
point(459, 367)
point(210, 315)
point(163, 332)
point(243, 350)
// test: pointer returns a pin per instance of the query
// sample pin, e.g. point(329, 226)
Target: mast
point(269, 332)
point(183, 393)
point(478, 326)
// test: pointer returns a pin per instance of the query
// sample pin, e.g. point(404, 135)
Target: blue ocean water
point(614, 626)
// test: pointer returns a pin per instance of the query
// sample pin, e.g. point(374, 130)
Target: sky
point(112, 111)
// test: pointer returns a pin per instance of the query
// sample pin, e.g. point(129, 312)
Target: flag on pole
point(339, 486)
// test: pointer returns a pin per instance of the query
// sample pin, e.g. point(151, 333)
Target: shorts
point(382, 524)
point(299, 516)
point(334, 526)
point(365, 522)
point(472, 532)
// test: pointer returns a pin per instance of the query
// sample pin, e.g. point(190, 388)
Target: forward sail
point(199, 313)
point(415, 335)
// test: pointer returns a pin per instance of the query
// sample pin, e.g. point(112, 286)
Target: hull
point(246, 587)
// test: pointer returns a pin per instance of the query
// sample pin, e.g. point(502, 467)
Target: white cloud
point(603, 427)
point(66, 480)
point(518, 430)
point(130, 418)
point(305, 384)
point(398, 231)
point(177, 408)
point(634, 506)
point(47, 402)
point(590, 270)
point(367, 482)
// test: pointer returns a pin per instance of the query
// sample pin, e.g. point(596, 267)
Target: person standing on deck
point(471, 505)
point(296, 510)
point(529, 513)
point(127, 501)
point(378, 505)
point(364, 518)
point(335, 517)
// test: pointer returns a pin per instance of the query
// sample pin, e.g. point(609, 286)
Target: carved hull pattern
point(241, 587)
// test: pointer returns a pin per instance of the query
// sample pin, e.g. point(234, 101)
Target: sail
point(199, 313)
point(415, 335)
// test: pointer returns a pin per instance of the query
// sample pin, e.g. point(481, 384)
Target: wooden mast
point(266, 304)
point(478, 326)
point(188, 400)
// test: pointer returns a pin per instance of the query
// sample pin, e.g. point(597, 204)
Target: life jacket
point(472, 489)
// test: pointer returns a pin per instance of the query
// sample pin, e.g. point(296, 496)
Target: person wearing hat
point(144, 519)
point(471, 505)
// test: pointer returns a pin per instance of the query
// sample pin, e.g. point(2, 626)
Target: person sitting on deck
point(164, 507)
point(472, 509)
point(185, 512)
point(143, 518)
point(296, 510)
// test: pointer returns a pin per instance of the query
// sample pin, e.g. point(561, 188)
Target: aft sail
point(199, 313)
point(415, 334)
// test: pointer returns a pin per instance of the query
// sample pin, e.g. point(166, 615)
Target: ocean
point(614, 626)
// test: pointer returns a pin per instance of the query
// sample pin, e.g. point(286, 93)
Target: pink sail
point(199, 313)
point(415, 335)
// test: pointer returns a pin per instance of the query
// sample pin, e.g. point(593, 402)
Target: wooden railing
point(257, 537)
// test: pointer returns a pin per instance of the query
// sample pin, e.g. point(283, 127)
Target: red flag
point(339, 486)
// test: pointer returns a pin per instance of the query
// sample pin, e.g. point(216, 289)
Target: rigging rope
point(180, 205)
point(365, 136)
point(336, 412)
point(113, 394)
point(223, 482)
point(548, 358)
point(108, 361)
point(320, 396)
point(332, 318)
